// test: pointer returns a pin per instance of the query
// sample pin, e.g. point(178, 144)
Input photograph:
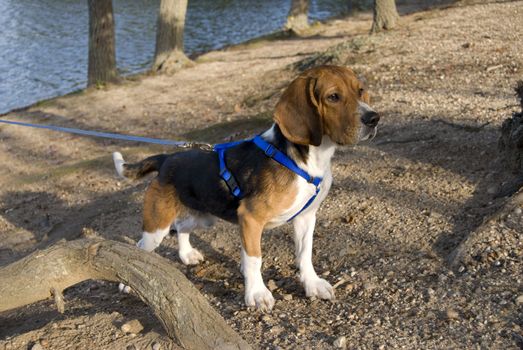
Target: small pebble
point(341, 342)
point(519, 300)
point(276, 330)
point(369, 286)
point(272, 285)
point(37, 346)
point(44, 343)
point(133, 327)
point(452, 314)
point(156, 346)
point(287, 297)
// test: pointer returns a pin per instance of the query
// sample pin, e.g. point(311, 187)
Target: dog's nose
point(370, 119)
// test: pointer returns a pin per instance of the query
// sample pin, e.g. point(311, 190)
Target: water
point(43, 43)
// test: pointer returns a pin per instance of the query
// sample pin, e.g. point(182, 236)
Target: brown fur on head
point(322, 101)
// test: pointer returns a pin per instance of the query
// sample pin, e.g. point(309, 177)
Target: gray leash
point(108, 135)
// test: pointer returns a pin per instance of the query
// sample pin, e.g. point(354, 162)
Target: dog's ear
point(297, 113)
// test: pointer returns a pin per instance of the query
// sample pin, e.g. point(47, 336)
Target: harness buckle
point(225, 174)
point(270, 150)
point(231, 182)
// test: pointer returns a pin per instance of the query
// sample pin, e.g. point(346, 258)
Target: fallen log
point(184, 313)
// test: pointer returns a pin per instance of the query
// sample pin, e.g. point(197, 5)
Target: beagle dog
point(321, 109)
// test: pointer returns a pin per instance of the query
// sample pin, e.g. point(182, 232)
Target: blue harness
point(271, 152)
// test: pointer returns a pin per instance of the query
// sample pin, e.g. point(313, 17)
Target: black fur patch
point(195, 175)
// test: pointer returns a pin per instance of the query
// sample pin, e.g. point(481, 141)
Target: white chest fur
point(318, 165)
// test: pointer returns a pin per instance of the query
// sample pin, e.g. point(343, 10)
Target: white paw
point(191, 257)
point(259, 297)
point(318, 287)
point(124, 289)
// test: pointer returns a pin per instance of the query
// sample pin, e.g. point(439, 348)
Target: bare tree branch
point(183, 311)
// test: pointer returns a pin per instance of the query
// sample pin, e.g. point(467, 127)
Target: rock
point(272, 285)
point(266, 318)
point(349, 287)
point(156, 346)
point(287, 297)
point(276, 330)
point(340, 343)
point(37, 346)
point(133, 327)
point(302, 329)
point(369, 286)
point(451, 314)
point(44, 343)
point(519, 300)
point(130, 347)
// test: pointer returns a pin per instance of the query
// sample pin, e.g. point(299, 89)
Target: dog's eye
point(333, 97)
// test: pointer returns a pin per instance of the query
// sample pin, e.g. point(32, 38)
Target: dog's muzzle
point(370, 120)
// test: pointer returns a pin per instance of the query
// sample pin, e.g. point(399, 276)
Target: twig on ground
point(409, 140)
point(465, 127)
point(339, 283)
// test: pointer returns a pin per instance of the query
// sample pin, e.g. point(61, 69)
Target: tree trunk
point(169, 55)
point(297, 19)
point(182, 310)
point(510, 142)
point(102, 61)
point(385, 15)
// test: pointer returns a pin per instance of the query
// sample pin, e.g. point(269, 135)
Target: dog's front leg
point(303, 232)
point(256, 293)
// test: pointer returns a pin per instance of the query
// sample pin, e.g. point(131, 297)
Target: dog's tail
point(137, 170)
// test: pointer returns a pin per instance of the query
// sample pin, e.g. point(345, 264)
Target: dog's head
point(327, 100)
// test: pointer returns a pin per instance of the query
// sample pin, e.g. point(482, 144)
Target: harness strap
point(271, 152)
point(283, 159)
point(225, 173)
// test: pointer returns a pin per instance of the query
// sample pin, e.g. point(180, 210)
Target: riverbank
point(398, 209)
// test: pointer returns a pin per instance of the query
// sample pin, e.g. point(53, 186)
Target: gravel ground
point(421, 252)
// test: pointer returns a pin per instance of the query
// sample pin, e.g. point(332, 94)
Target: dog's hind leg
point(159, 211)
point(184, 226)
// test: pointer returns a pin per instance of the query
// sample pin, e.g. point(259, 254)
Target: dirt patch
point(399, 209)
